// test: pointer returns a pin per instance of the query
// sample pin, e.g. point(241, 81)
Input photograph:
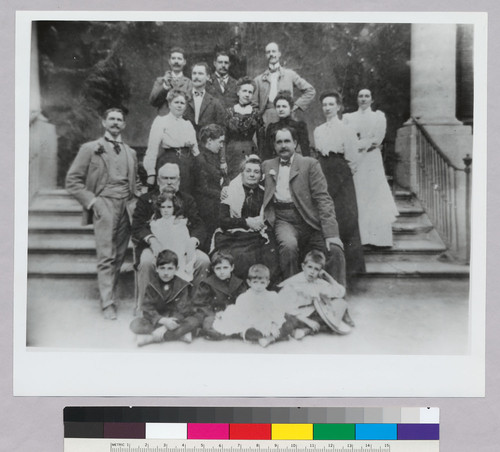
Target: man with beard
point(173, 79)
point(103, 180)
point(148, 246)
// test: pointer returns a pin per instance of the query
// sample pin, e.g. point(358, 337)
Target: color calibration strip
point(252, 423)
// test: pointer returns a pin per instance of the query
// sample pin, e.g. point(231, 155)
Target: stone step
point(417, 243)
point(409, 207)
point(69, 265)
point(413, 266)
point(65, 244)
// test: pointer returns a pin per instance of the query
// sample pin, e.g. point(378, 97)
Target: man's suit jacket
point(158, 96)
point(309, 191)
point(287, 80)
point(144, 212)
point(229, 97)
point(211, 112)
point(88, 175)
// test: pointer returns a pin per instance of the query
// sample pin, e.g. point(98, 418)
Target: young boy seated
point(218, 291)
point(168, 313)
point(257, 315)
point(300, 292)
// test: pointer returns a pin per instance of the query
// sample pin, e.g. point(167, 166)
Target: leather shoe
point(109, 312)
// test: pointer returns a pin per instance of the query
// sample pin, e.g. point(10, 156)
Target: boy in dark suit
point(218, 291)
point(168, 313)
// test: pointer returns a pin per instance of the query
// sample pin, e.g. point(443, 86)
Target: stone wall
point(87, 66)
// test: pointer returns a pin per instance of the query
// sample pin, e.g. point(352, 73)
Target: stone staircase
point(59, 248)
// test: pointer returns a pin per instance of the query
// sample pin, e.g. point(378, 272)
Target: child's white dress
point(173, 235)
point(262, 311)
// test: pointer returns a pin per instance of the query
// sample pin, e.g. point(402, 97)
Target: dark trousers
point(296, 238)
point(341, 189)
point(186, 325)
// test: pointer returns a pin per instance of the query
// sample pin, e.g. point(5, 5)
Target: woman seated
point(172, 139)
point(243, 232)
point(283, 103)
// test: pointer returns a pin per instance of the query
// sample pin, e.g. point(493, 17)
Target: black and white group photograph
point(303, 189)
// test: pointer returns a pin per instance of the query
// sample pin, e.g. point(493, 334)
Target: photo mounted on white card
point(218, 204)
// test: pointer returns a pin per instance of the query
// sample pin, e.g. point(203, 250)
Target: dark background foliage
point(87, 67)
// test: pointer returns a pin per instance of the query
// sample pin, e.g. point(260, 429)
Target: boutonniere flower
point(272, 172)
point(100, 149)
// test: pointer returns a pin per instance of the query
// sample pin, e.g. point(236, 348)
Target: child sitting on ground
point(218, 291)
point(301, 293)
point(170, 228)
point(257, 315)
point(168, 313)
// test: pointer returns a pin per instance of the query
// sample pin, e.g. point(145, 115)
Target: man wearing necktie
point(222, 86)
point(203, 108)
point(277, 78)
point(103, 178)
point(299, 208)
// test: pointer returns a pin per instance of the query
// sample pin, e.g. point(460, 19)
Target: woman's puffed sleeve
point(154, 141)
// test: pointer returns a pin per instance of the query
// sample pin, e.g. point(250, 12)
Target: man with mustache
point(222, 86)
point(299, 208)
point(275, 79)
point(203, 108)
point(103, 178)
point(173, 79)
point(148, 246)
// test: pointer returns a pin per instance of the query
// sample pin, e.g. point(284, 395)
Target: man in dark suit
point(203, 108)
point(298, 206)
point(103, 178)
point(222, 86)
point(148, 246)
point(173, 79)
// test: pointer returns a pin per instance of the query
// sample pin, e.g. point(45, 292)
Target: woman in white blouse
point(335, 144)
point(172, 139)
point(376, 207)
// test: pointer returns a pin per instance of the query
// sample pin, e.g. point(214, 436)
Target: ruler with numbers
point(113, 445)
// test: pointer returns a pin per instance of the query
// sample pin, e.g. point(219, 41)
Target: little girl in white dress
point(170, 228)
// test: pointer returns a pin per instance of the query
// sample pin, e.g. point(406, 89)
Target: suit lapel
point(271, 175)
point(104, 155)
point(294, 169)
point(207, 99)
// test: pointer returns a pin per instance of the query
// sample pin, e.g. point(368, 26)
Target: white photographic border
point(118, 373)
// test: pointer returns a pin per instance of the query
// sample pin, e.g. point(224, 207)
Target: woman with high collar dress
point(335, 144)
point(376, 207)
point(243, 122)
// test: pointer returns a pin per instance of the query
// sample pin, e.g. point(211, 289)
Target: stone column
point(43, 138)
point(433, 104)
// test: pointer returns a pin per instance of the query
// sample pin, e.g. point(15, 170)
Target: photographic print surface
point(396, 156)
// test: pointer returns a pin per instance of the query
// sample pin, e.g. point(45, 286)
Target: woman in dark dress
point(243, 123)
point(211, 143)
point(335, 144)
point(243, 232)
point(283, 103)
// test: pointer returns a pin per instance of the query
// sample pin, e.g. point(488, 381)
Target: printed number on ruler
point(249, 446)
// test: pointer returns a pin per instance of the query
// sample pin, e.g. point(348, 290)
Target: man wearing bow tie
point(222, 86)
point(103, 178)
point(298, 206)
point(203, 108)
point(277, 78)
